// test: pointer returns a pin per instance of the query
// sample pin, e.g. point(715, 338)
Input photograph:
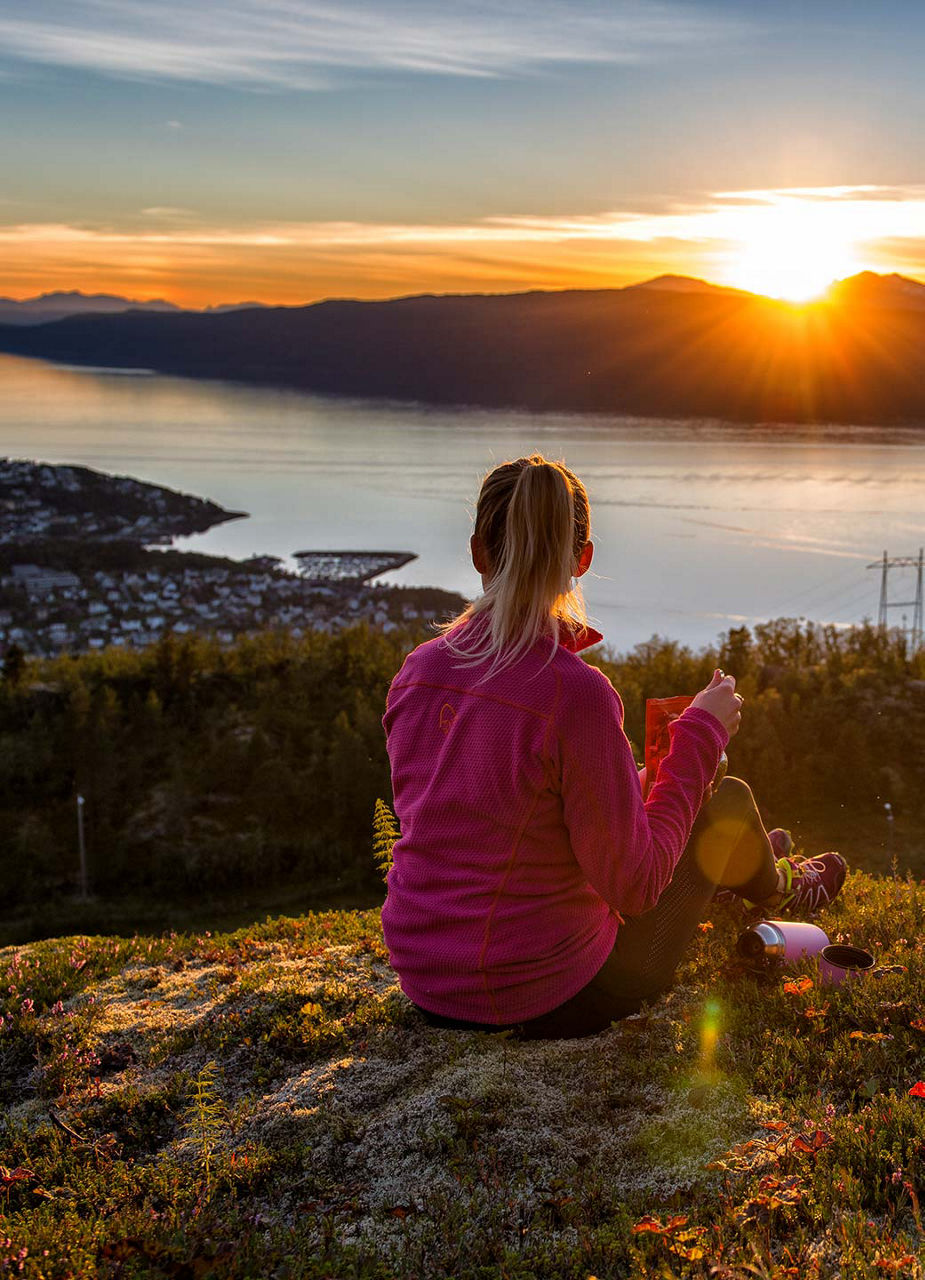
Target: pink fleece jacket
point(524, 834)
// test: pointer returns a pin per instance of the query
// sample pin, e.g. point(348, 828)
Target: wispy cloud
point(174, 250)
point(866, 212)
point(312, 44)
point(871, 213)
point(167, 211)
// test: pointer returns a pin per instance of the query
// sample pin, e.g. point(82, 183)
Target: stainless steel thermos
point(771, 944)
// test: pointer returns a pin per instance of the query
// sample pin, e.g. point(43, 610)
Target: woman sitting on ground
point(533, 887)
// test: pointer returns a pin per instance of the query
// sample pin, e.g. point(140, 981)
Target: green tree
point(14, 664)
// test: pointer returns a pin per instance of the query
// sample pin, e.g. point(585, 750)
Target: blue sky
point(289, 149)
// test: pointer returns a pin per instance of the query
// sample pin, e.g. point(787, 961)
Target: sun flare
point(793, 249)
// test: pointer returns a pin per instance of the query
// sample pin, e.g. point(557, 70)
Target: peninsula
point(86, 563)
point(41, 501)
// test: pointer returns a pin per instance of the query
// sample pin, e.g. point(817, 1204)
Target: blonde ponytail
point(533, 520)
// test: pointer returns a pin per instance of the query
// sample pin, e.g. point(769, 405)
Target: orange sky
point(194, 265)
point(211, 151)
point(788, 243)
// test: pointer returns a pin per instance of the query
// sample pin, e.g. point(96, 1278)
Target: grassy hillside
point(267, 1103)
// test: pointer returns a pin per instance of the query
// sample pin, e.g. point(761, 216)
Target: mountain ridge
point(60, 302)
point(693, 352)
point(57, 304)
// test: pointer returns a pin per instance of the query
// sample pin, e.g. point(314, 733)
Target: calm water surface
point(698, 526)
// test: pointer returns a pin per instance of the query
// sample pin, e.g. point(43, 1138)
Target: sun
point(793, 249)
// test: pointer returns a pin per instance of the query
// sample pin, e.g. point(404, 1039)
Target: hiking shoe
point(725, 895)
point(811, 884)
point(781, 843)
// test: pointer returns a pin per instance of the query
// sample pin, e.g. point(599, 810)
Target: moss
point(737, 1127)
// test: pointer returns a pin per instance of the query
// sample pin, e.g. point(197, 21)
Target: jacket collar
point(572, 638)
point(577, 638)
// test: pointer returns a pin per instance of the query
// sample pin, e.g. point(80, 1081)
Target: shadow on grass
point(66, 915)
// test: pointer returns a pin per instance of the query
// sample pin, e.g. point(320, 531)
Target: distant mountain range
point(670, 347)
point(55, 306)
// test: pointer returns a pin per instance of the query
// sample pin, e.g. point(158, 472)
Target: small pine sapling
point(385, 833)
point(205, 1119)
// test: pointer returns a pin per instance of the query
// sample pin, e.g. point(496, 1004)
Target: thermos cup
point(839, 961)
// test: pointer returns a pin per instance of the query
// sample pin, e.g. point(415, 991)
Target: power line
point(786, 606)
point(844, 594)
point(835, 599)
point(850, 601)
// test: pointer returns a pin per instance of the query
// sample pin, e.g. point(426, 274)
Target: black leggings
point(728, 846)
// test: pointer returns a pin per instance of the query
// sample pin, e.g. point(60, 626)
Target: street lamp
point(888, 810)
point(82, 848)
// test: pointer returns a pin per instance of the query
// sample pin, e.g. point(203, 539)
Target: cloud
point(175, 251)
point(312, 44)
point(864, 212)
point(902, 253)
point(871, 214)
point(167, 211)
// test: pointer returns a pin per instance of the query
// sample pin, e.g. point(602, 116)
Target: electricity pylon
point(916, 605)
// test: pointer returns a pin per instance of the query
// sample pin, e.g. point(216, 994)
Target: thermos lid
point(761, 941)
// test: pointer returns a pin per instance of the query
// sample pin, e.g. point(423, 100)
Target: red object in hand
point(659, 714)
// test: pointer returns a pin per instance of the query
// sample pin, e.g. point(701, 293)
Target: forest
point(213, 773)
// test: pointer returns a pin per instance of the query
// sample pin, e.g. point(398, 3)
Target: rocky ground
point(267, 1103)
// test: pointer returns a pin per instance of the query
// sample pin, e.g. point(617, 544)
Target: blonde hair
point(533, 521)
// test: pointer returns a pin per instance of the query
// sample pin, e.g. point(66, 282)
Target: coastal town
point(78, 572)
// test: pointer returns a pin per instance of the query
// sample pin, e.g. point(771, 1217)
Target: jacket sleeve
point(627, 847)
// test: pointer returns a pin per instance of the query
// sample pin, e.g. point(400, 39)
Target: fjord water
point(698, 526)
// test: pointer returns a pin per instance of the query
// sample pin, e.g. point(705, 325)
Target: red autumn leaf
point(19, 1174)
point(918, 1023)
point(811, 1143)
point(918, 1089)
point(648, 1223)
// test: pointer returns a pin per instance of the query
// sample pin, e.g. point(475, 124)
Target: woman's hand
point(721, 700)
